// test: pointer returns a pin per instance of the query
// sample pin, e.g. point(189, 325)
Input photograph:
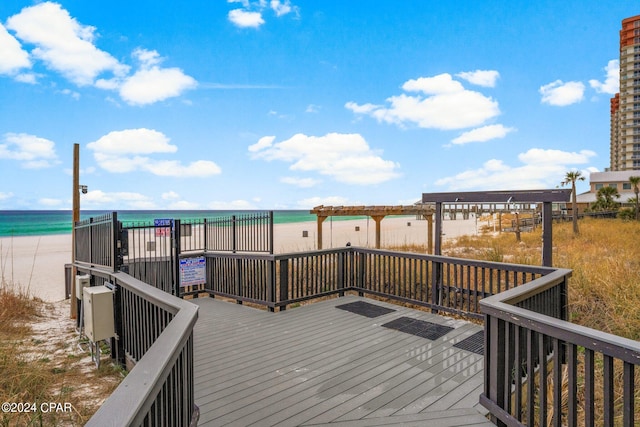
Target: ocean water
point(37, 223)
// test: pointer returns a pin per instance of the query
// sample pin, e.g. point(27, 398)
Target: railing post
point(238, 278)
point(204, 234)
point(284, 281)
point(233, 234)
point(362, 269)
point(175, 256)
point(271, 284)
point(341, 273)
point(115, 242)
point(436, 271)
point(495, 334)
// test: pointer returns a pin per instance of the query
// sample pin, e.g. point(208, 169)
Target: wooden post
point(378, 219)
point(75, 218)
point(429, 219)
point(319, 224)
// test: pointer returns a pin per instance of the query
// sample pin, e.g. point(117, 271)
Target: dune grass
point(41, 364)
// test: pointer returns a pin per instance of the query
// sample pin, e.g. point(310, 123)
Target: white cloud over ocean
point(346, 158)
point(129, 150)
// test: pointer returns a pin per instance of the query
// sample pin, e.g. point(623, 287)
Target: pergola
point(377, 213)
point(506, 198)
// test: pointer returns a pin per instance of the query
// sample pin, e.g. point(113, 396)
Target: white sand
point(37, 263)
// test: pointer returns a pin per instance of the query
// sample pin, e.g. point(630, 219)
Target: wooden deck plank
point(318, 365)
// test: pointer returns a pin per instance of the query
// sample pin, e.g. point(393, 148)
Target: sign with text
point(163, 227)
point(193, 271)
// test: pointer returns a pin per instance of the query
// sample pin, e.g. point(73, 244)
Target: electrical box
point(97, 303)
point(82, 281)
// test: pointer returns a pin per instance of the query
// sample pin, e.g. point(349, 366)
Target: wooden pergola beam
point(377, 213)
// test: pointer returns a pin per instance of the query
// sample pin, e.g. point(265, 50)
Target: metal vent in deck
point(365, 309)
point(420, 328)
point(473, 343)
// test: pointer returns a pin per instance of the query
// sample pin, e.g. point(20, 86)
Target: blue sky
point(293, 104)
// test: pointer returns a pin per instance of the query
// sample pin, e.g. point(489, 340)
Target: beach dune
point(36, 264)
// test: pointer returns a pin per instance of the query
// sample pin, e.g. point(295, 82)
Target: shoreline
point(36, 264)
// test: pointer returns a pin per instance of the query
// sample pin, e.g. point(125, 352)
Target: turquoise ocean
point(38, 223)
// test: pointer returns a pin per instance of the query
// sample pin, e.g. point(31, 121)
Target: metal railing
point(96, 241)
point(441, 283)
point(155, 332)
point(538, 366)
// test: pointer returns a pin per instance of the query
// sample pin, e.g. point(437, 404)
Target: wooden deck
point(322, 365)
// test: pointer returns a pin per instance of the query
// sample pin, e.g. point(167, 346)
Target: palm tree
point(606, 199)
point(635, 181)
point(572, 177)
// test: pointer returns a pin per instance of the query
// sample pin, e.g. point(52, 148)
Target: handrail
point(140, 391)
point(532, 356)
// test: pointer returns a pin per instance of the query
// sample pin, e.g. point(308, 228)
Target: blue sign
point(163, 222)
point(193, 271)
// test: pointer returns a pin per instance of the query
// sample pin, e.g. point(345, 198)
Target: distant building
point(619, 180)
point(625, 105)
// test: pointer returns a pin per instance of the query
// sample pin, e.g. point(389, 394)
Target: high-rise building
point(625, 106)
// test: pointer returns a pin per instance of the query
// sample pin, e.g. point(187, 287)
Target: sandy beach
point(36, 264)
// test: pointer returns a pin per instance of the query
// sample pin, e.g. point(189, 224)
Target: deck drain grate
point(365, 309)
point(417, 327)
point(473, 343)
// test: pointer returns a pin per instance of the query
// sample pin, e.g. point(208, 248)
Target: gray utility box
point(82, 281)
point(97, 303)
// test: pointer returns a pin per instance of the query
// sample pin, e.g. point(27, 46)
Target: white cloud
point(562, 94)
point(251, 15)
point(133, 141)
point(486, 78)
point(540, 168)
point(264, 142)
point(63, 44)
point(281, 8)
point(612, 80)
point(14, 58)
point(123, 151)
point(31, 151)
point(300, 182)
point(344, 157)
point(5, 196)
point(67, 47)
point(151, 83)
point(311, 108)
point(312, 202)
point(245, 19)
point(155, 84)
point(447, 105)
point(483, 134)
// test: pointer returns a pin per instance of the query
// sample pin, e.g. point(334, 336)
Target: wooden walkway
point(323, 365)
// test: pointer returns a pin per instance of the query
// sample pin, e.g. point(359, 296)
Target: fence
point(538, 366)
point(154, 331)
point(441, 283)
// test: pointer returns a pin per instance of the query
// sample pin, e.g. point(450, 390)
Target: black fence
point(542, 370)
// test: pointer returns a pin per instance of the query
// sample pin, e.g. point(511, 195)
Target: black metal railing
point(96, 241)
point(541, 369)
point(155, 333)
point(441, 283)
